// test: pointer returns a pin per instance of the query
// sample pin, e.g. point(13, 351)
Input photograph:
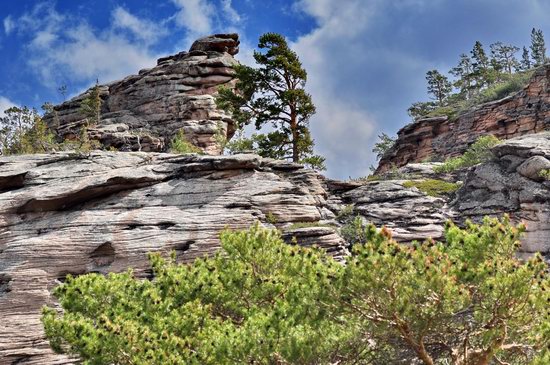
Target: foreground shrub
point(478, 152)
point(260, 301)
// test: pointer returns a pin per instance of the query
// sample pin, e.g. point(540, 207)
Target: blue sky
point(366, 59)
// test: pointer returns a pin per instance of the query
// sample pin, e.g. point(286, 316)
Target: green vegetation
point(91, 106)
point(468, 300)
point(271, 218)
point(384, 144)
point(433, 187)
point(299, 225)
point(273, 94)
point(545, 174)
point(477, 153)
point(22, 131)
point(456, 104)
point(345, 213)
point(180, 144)
point(480, 78)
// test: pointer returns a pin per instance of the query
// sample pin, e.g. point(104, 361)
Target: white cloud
point(145, 30)
point(65, 47)
point(86, 55)
point(342, 128)
point(195, 16)
point(229, 12)
point(5, 103)
point(9, 24)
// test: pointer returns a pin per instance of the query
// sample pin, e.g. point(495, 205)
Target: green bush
point(513, 83)
point(478, 152)
point(180, 144)
point(468, 300)
point(433, 187)
point(299, 225)
point(545, 174)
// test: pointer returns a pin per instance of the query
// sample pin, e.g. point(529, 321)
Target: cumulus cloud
point(5, 103)
point(231, 14)
point(66, 47)
point(9, 24)
point(363, 72)
point(195, 15)
point(342, 128)
point(145, 30)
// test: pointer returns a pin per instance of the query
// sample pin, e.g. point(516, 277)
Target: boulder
point(532, 167)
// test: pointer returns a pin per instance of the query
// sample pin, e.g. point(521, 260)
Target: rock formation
point(512, 184)
point(74, 213)
point(70, 213)
point(525, 112)
point(143, 112)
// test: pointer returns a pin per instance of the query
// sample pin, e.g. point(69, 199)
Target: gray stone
point(532, 167)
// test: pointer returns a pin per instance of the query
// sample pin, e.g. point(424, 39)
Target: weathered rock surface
point(72, 213)
point(511, 184)
point(143, 112)
point(523, 113)
point(69, 213)
point(409, 213)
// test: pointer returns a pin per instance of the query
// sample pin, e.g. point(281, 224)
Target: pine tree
point(467, 300)
point(480, 66)
point(90, 107)
point(503, 57)
point(463, 73)
point(274, 93)
point(525, 63)
point(538, 47)
point(438, 85)
point(384, 144)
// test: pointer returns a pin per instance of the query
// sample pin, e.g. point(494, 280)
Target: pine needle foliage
point(467, 301)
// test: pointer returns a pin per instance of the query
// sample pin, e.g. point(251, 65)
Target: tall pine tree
point(438, 85)
point(525, 63)
point(463, 73)
point(274, 94)
point(538, 47)
point(480, 66)
point(503, 57)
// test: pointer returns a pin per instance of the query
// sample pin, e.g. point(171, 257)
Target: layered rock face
point(102, 212)
point(512, 184)
point(523, 113)
point(143, 112)
point(71, 213)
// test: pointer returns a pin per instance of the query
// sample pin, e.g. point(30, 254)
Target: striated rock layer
point(512, 184)
point(71, 213)
point(143, 112)
point(102, 212)
point(523, 113)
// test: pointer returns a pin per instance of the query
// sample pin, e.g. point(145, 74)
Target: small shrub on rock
point(180, 144)
point(433, 187)
point(477, 153)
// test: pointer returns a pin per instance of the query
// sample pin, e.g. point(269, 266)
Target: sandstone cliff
point(73, 213)
point(525, 112)
point(142, 112)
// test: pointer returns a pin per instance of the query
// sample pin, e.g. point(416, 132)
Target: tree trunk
point(294, 129)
